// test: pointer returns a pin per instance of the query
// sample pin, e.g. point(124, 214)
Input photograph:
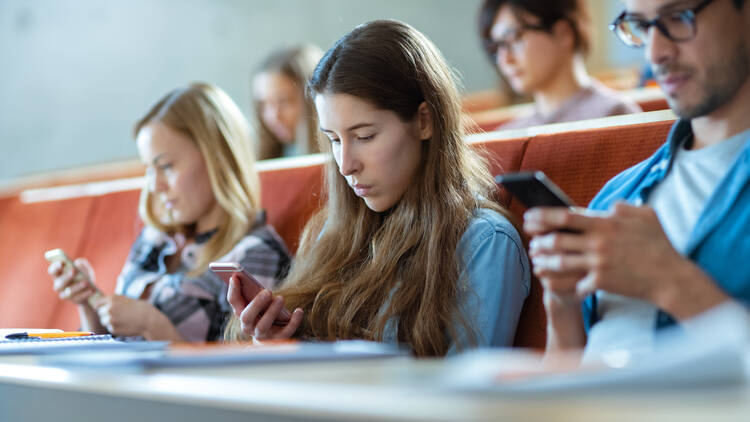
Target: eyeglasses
point(678, 26)
point(513, 43)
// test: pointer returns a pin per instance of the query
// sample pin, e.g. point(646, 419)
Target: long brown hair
point(297, 63)
point(358, 270)
point(209, 117)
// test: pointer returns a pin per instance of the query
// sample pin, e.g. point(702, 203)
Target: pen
point(32, 335)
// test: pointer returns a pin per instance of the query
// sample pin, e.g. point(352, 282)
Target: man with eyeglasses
point(675, 240)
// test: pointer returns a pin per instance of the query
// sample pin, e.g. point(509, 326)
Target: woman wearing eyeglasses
point(539, 47)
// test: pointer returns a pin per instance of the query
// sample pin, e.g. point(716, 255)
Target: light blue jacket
point(494, 282)
point(495, 277)
point(720, 240)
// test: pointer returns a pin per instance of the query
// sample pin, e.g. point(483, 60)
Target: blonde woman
point(285, 117)
point(201, 203)
point(409, 247)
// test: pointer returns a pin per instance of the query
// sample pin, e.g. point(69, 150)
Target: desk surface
point(395, 389)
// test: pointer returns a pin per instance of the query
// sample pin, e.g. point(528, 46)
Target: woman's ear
point(563, 32)
point(424, 119)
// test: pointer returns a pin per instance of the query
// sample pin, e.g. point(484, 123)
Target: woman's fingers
point(294, 323)
point(81, 295)
point(83, 265)
point(258, 317)
point(76, 292)
point(251, 313)
point(69, 286)
point(265, 323)
point(235, 297)
point(63, 279)
point(55, 269)
point(76, 288)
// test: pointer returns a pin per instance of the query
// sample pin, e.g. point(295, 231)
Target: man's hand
point(625, 252)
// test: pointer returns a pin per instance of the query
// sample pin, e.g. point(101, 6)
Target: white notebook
point(69, 344)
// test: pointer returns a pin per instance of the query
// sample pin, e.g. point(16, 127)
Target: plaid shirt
point(197, 306)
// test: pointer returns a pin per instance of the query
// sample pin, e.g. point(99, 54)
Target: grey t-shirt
point(678, 201)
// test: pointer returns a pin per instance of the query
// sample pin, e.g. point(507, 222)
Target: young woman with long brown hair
point(409, 247)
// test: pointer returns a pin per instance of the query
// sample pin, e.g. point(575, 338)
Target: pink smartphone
point(250, 286)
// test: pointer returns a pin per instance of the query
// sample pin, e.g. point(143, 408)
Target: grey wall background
point(76, 74)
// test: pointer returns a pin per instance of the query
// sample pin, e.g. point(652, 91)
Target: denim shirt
point(720, 240)
point(494, 281)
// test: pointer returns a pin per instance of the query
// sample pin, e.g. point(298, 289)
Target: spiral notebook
point(39, 346)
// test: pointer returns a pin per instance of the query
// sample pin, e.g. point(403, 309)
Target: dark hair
point(739, 3)
point(549, 12)
point(360, 64)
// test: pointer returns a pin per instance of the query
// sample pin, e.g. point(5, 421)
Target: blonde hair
point(365, 268)
point(209, 117)
point(297, 63)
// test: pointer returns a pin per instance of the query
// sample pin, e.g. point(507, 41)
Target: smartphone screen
point(534, 189)
point(250, 286)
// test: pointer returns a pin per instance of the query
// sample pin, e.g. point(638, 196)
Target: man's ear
point(425, 122)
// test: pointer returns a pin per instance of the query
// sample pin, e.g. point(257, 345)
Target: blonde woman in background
point(201, 204)
point(409, 248)
point(285, 117)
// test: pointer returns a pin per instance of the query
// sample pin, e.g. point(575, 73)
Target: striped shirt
point(197, 306)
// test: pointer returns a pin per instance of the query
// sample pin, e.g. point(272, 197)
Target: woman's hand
point(257, 316)
point(123, 316)
point(68, 286)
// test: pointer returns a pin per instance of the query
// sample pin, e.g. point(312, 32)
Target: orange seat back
point(28, 230)
point(290, 196)
point(112, 226)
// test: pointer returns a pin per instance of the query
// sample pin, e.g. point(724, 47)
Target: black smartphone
point(534, 189)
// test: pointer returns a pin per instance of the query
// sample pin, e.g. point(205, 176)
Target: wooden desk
point(397, 389)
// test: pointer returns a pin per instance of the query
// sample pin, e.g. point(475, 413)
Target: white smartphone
point(59, 255)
